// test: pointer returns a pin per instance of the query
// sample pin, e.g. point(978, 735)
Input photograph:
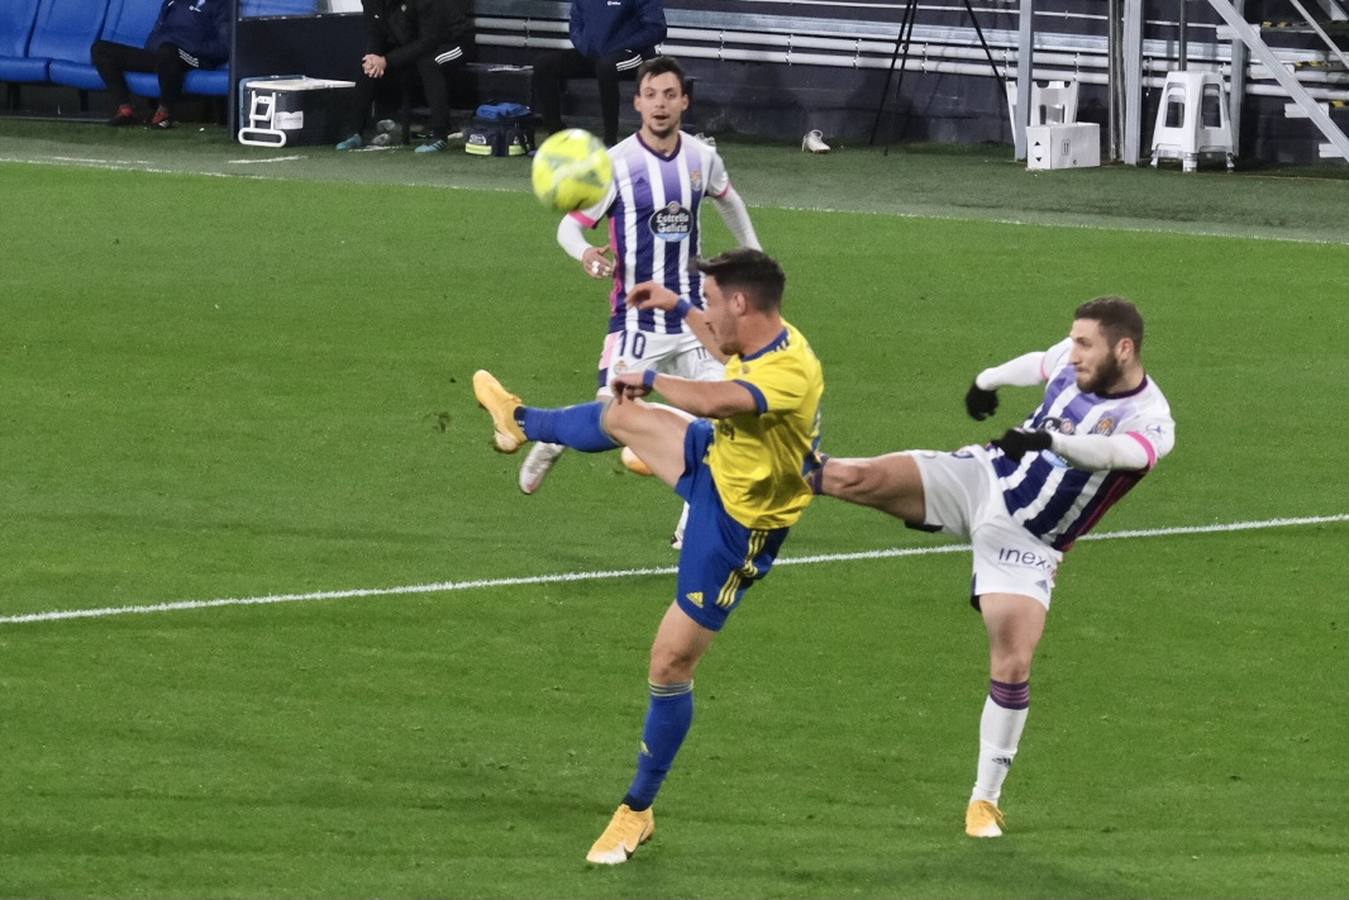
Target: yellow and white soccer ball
point(572, 170)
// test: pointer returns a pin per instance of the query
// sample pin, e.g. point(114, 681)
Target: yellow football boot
point(626, 832)
point(500, 404)
point(983, 820)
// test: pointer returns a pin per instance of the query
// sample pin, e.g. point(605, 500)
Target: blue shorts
point(721, 558)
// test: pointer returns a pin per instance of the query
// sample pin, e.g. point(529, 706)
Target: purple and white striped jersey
point(653, 209)
point(1054, 501)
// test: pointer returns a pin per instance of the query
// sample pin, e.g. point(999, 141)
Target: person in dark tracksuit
point(610, 38)
point(189, 34)
point(432, 37)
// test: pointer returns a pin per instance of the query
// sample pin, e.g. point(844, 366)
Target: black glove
point(979, 403)
point(1017, 442)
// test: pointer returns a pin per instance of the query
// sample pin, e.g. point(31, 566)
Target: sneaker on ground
point(383, 139)
point(813, 142)
point(538, 463)
point(627, 831)
point(439, 145)
point(983, 820)
point(351, 143)
point(500, 404)
point(126, 115)
point(161, 119)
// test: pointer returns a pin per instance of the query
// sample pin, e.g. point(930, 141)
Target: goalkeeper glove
point(1017, 442)
point(979, 403)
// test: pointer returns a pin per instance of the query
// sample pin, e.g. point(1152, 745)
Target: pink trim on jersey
point(1147, 445)
point(607, 354)
point(618, 267)
point(1044, 376)
point(584, 219)
point(725, 192)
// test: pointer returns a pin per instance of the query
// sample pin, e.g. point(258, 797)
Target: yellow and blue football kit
point(745, 477)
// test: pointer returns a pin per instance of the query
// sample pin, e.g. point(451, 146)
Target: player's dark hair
point(659, 65)
point(1118, 318)
point(752, 272)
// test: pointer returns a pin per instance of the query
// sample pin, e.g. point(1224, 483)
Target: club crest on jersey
point(1062, 426)
point(696, 179)
point(1105, 426)
point(671, 222)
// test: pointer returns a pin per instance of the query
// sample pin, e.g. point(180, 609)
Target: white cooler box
point(293, 110)
point(1072, 146)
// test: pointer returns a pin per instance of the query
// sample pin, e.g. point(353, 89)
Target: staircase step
point(1294, 111)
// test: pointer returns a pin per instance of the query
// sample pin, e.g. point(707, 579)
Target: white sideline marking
point(270, 159)
point(447, 586)
point(126, 167)
point(115, 162)
point(1214, 230)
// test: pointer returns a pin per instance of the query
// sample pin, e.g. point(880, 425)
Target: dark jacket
point(602, 27)
point(201, 28)
point(403, 31)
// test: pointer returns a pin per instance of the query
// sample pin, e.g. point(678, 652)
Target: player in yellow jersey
point(742, 464)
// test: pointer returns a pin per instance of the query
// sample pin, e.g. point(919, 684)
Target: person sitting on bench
point(189, 34)
point(610, 39)
point(432, 37)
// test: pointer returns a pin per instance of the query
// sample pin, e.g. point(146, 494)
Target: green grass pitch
point(232, 388)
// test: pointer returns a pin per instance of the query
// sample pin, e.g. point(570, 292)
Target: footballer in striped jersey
point(1025, 497)
point(661, 176)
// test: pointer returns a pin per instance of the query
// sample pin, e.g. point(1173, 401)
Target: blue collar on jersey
point(778, 343)
point(656, 153)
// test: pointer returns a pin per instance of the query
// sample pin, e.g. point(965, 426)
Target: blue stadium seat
point(209, 82)
point(129, 22)
point(16, 28)
point(257, 8)
point(64, 30)
point(204, 82)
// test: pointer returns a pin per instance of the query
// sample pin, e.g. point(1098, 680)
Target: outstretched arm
point(1024, 371)
point(1028, 369)
point(650, 295)
point(710, 399)
point(1102, 451)
point(736, 215)
point(1093, 452)
point(706, 399)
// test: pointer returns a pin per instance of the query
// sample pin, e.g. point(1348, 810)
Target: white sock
point(999, 733)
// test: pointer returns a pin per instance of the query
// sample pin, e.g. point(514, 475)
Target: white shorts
point(963, 499)
point(669, 354)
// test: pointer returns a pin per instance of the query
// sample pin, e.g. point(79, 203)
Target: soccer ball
point(572, 170)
